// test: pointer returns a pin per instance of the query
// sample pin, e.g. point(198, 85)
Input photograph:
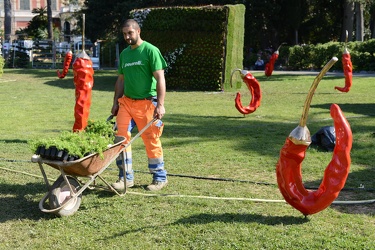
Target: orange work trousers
point(142, 112)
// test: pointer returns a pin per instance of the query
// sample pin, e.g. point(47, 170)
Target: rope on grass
point(361, 188)
point(243, 199)
point(353, 202)
point(167, 195)
point(24, 173)
point(209, 197)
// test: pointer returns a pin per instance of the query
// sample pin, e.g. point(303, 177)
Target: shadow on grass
point(357, 108)
point(103, 81)
point(242, 218)
point(310, 76)
point(249, 135)
point(14, 141)
point(226, 218)
point(15, 204)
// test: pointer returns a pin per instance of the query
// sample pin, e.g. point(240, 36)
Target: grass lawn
point(205, 140)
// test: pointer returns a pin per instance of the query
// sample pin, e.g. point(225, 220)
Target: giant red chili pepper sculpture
point(67, 61)
point(347, 67)
point(83, 81)
point(254, 88)
point(288, 168)
point(271, 64)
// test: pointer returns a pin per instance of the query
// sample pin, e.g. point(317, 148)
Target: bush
point(2, 63)
point(322, 53)
point(298, 57)
point(308, 57)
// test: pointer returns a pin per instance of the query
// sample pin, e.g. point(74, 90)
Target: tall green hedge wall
point(201, 45)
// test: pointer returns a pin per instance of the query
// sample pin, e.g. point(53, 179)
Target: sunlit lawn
point(206, 140)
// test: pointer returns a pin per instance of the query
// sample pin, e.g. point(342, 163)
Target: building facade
point(22, 14)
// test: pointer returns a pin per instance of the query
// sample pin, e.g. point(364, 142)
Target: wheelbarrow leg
point(110, 186)
point(44, 175)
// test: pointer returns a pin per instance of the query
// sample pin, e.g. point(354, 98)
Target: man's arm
point(119, 92)
point(160, 89)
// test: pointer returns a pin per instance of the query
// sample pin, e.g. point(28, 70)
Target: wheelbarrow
point(65, 194)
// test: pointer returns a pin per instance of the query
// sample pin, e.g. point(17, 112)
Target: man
point(259, 64)
point(139, 97)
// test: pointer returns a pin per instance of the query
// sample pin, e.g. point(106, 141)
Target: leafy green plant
point(94, 139)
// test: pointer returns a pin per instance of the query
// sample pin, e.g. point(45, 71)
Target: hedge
point(314, 57)
point(201, 45)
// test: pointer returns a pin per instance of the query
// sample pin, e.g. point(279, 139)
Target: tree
point(267, 22)
point(347, 22)
point(7, 19)
point(359, 21)
point(37, 27)
point(104, 18)
point(49, 20)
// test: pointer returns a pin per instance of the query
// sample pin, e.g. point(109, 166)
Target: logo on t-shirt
point(133, 64)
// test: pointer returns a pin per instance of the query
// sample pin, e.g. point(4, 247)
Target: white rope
point(210, 197)
point(206, 197)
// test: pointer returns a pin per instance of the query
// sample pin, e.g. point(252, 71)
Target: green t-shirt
point(137, 66)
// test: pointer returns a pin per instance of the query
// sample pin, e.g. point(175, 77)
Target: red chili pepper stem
point(301, 134)
point(280, 46)
point(242, 73)
point(346, 51)
point(313, 87)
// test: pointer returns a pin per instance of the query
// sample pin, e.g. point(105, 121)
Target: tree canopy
point(268, 23)
point(37, 27)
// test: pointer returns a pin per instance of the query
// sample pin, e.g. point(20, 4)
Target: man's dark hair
point(131, 23)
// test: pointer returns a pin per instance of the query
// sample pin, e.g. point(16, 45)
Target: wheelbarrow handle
point(110, 118)
point(141, 131)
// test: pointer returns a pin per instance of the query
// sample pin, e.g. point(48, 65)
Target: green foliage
point(18, 60)
point(322, 53)
point(94, 139)
point(316, 56)
point(205, 45)
point(2, 63)
point(37, 27)
point(299, 57)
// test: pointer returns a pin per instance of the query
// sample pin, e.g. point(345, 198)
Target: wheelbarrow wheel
point(60, 194)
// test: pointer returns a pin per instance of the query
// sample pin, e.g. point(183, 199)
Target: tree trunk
point(7, 20)
point(359, 21)
point(49, 19)
point(348, 18)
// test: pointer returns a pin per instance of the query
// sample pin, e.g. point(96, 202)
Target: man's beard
point(132, 41)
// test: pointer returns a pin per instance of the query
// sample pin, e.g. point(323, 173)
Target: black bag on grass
point(325, 138)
